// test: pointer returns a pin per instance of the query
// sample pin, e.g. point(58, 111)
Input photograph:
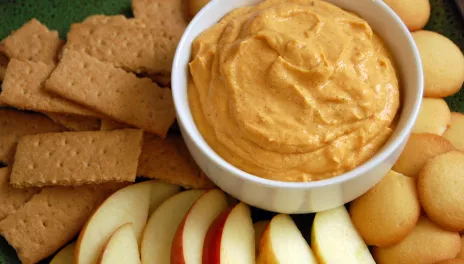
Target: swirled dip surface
point(293, 90)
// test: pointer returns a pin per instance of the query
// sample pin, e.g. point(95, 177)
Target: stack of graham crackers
point(78, 122)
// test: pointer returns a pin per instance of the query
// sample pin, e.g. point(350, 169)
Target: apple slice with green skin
point(128, 205)
point(335, 240)
point(282, 242)
point(65, 255)
point(231, 238)
point(187, 246)
point(122, 248)
point(159, 232)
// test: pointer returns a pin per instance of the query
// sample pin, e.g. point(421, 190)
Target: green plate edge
point(60, 14)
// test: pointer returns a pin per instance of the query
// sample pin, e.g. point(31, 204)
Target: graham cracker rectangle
point(16, 124)
point(3, 64)
point(76, 158)
point(119, 95)
point(170, 14)
point(169, 160)
point(51, 218)
point(23, 89)
point(76, 122)
point(107, 124)
point(11, 199)
point(116, 20)
point(161, 80)
point(131, 48)
point(35, 42)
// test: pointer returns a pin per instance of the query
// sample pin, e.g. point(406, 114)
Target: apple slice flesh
point(65, 255)
point(159, 193)
point(122, 248)
point(187, 246)
point(231, 238)
point(128, 205)
point(282, 242)
point(259, 226)
point(335, 240)
point(162, 226)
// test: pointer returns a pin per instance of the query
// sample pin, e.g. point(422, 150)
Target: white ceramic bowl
point(286, 197)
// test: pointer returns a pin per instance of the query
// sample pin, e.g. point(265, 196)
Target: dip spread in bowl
point(293, 91)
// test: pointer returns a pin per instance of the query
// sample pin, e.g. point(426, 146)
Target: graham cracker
point(76, 158)
point(3, 64)
point(131, 48)
point(119, 95)
point(116, 20)
point(170, 14)
point(76, 122)
point(35, 42)
point(107, 124)
point(16, 124)
point(23, 89)
point(11, 199)
point(169, 160)
point(161, 80)
point(51, 218)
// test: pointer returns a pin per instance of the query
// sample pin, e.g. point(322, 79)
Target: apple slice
point(159, 193)
point(187, 246)
point(162, 226)
point(259, 226)
point(230, 238)
point(65, 255)
point(128, 205)
point(282, 242)
point(334, 239)
point(122, 248)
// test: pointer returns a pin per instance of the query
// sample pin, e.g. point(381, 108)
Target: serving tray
point(60, 14)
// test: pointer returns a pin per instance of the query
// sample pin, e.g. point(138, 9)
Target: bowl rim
point(380, 156)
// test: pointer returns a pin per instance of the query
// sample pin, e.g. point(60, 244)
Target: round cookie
point(440, 186)
point(427, 243)
point(434, 117)
point(455, 131)
point(442, 62)
point(420, 148)
point(461, 253)
point(414, 13)
point(388, 212)
point(451, 261)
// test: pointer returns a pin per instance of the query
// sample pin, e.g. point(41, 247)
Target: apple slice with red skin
point(187, 246)
point(231, 238)
point(259, 226)
point(162, 225)
point(282, 242)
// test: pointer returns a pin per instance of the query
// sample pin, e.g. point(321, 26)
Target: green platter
point(60, 14)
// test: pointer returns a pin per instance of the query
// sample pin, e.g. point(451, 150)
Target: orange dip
point(293, 91)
